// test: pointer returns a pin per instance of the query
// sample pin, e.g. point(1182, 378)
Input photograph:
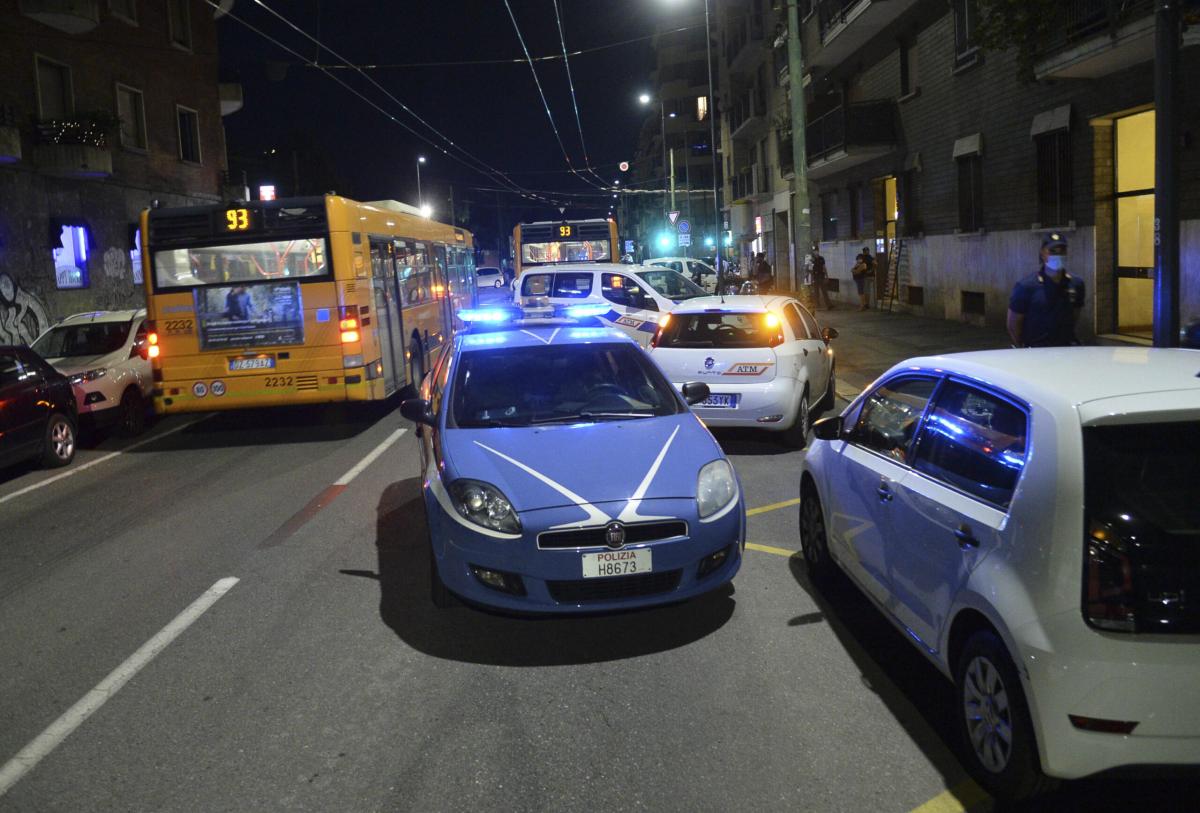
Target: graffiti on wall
point(22, 315)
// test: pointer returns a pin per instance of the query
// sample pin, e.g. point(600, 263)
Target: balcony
point(752, 183)
point(68, 16)
point(846, 26)
point(748, 115)
point(744, 46)
point(849, 135)
point(1097, 38)
point(75, 148)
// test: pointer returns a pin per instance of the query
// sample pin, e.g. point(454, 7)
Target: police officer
point(1044, 305)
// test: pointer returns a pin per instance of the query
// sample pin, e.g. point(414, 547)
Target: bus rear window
point(718, 330)
point(239, 263)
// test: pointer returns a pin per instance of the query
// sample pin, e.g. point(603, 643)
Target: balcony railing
point(832, 12)
point(1083, 19)
point(751, 181)
point(749, 105)
point(858, 124)
point(742, 32)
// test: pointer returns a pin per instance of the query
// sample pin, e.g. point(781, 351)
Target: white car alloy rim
point(988, 714)
point(62, 439)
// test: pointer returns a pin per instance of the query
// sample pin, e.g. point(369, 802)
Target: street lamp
point(426, 210)
point(420, 197)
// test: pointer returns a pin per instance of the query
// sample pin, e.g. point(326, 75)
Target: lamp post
point(645, 98)
point(420, 197)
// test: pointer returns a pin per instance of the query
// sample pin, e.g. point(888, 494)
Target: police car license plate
point(253, 363)
point(719, 401)
point(616, 563)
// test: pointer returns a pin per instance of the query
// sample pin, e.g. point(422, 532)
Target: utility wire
point(542, 93)
point(562, 38)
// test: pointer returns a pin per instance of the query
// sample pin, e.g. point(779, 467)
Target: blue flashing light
point(485, 315)
point(588, 333)
point(581, 311)
point(484, 339)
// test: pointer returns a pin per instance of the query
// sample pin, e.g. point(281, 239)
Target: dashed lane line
point(771, 549)
point(962, 797)
point(775, 506)
point(85, 466)
point(90, 703)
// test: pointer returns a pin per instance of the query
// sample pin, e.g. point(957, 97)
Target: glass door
point(1135, 224)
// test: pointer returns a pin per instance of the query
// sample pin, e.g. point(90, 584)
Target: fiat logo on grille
point(614, 535)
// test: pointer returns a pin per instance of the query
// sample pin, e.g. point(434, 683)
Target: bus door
point(389, 328)
point(441, 280)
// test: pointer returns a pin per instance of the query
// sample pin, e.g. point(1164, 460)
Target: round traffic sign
point(623, 166)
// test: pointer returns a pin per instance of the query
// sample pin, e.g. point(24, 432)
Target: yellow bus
point(307, 300)
point(562, 241)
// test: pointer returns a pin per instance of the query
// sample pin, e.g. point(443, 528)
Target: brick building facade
point(105, 107)
point(932, 151)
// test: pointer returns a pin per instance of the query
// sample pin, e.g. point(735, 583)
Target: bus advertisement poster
point(257, 315)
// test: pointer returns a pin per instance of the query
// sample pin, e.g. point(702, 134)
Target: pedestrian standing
point(864, 273)
point(1045, 305)
point(819, 275)
point(762, 272)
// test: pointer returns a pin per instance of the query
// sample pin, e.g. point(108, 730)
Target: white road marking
point(345, 479)
point(85, 466)
point(90, 703)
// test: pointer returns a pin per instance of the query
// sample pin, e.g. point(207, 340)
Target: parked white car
point(1029, 519)
point(489, 276)
point(105, 356)
point(697, 271)
point(767, 362)
point(636, 295)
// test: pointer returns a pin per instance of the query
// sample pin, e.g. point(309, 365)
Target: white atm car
point(637, 296)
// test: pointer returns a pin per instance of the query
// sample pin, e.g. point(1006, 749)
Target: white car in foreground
point(767, 362)
point(1030, 520)
point(105, 355)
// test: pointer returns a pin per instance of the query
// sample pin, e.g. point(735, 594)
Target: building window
point(131, 110)
point(124, 10)
point(966, 15)
point(970, 192)
point(56, 99)
point(70, 258)
point(189, 134)
point(701, 108)
point(829, 221)
point(1054, 178)
point(180, 24)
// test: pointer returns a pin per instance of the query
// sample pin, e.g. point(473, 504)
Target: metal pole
point(420, 198)
point(801, 208)
point(662, 124)
point(1166, 192)
point(672, 179)
point(712, 136)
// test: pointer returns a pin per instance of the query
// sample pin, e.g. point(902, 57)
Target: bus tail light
point(152, 348)
point(349, 336)
point(347, 320)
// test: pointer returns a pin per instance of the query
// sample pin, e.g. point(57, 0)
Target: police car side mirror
point(418, 410)
point(694, 392)
point(829, 334)
point(828, 428)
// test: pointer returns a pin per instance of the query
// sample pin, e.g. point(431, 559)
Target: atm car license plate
point(255, 363)
point(616, 563)
point(719, 401)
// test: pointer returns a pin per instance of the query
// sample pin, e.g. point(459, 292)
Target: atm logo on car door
point(749, 368)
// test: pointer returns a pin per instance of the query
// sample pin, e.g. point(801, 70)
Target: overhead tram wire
point(562, 38)
point(542, 93)
point(487, 170)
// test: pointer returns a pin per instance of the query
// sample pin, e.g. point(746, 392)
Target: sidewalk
point(869, 342)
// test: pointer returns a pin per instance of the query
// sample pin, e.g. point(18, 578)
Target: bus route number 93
point(566, 230)
point(275, 381)
point(237, 219)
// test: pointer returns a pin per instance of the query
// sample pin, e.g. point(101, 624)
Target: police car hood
point(588, 463)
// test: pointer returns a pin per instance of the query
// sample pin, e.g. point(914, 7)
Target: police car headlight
point(715, 487)
point(485, 505)
point(90, 375)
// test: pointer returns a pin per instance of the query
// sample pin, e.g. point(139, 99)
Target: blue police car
point(562, 472)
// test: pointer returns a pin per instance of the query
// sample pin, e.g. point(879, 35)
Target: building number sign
point(237, 220)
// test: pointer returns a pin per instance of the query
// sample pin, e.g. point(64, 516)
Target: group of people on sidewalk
point(1042, 309)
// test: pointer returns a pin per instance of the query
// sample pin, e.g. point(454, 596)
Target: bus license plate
point(256, 363)
point(616, 563)
point(719, 401)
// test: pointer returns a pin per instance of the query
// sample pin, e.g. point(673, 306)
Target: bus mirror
point(418, 411)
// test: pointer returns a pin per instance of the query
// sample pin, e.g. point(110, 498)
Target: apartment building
point(106, 106)
point(674, 152)
point(952, 162)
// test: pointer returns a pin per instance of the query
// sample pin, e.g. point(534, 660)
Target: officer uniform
point(1048, 305)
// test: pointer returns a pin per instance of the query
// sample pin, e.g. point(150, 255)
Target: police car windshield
point(672, 284)
point(524, 386)
point(707, 330)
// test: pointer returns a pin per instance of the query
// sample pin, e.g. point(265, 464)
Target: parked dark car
point(37, 410)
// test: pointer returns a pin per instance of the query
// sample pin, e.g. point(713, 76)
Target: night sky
point(493, 110)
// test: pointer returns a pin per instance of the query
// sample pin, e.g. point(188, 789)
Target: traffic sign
point(673, 216)
point(685, 238)
point(684, 227)
point(623, 166)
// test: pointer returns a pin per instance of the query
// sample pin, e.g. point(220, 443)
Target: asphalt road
point(323, 679)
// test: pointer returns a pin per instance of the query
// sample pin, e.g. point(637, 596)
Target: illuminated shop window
point(70, 258)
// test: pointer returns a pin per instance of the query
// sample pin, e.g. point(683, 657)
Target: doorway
point(1134, 218)
point(887, 217)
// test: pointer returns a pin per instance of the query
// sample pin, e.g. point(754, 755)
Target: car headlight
point(715, 487)
point(90, 375)
point(485, 505)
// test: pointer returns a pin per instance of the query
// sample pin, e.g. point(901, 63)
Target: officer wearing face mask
point(1044, 306)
